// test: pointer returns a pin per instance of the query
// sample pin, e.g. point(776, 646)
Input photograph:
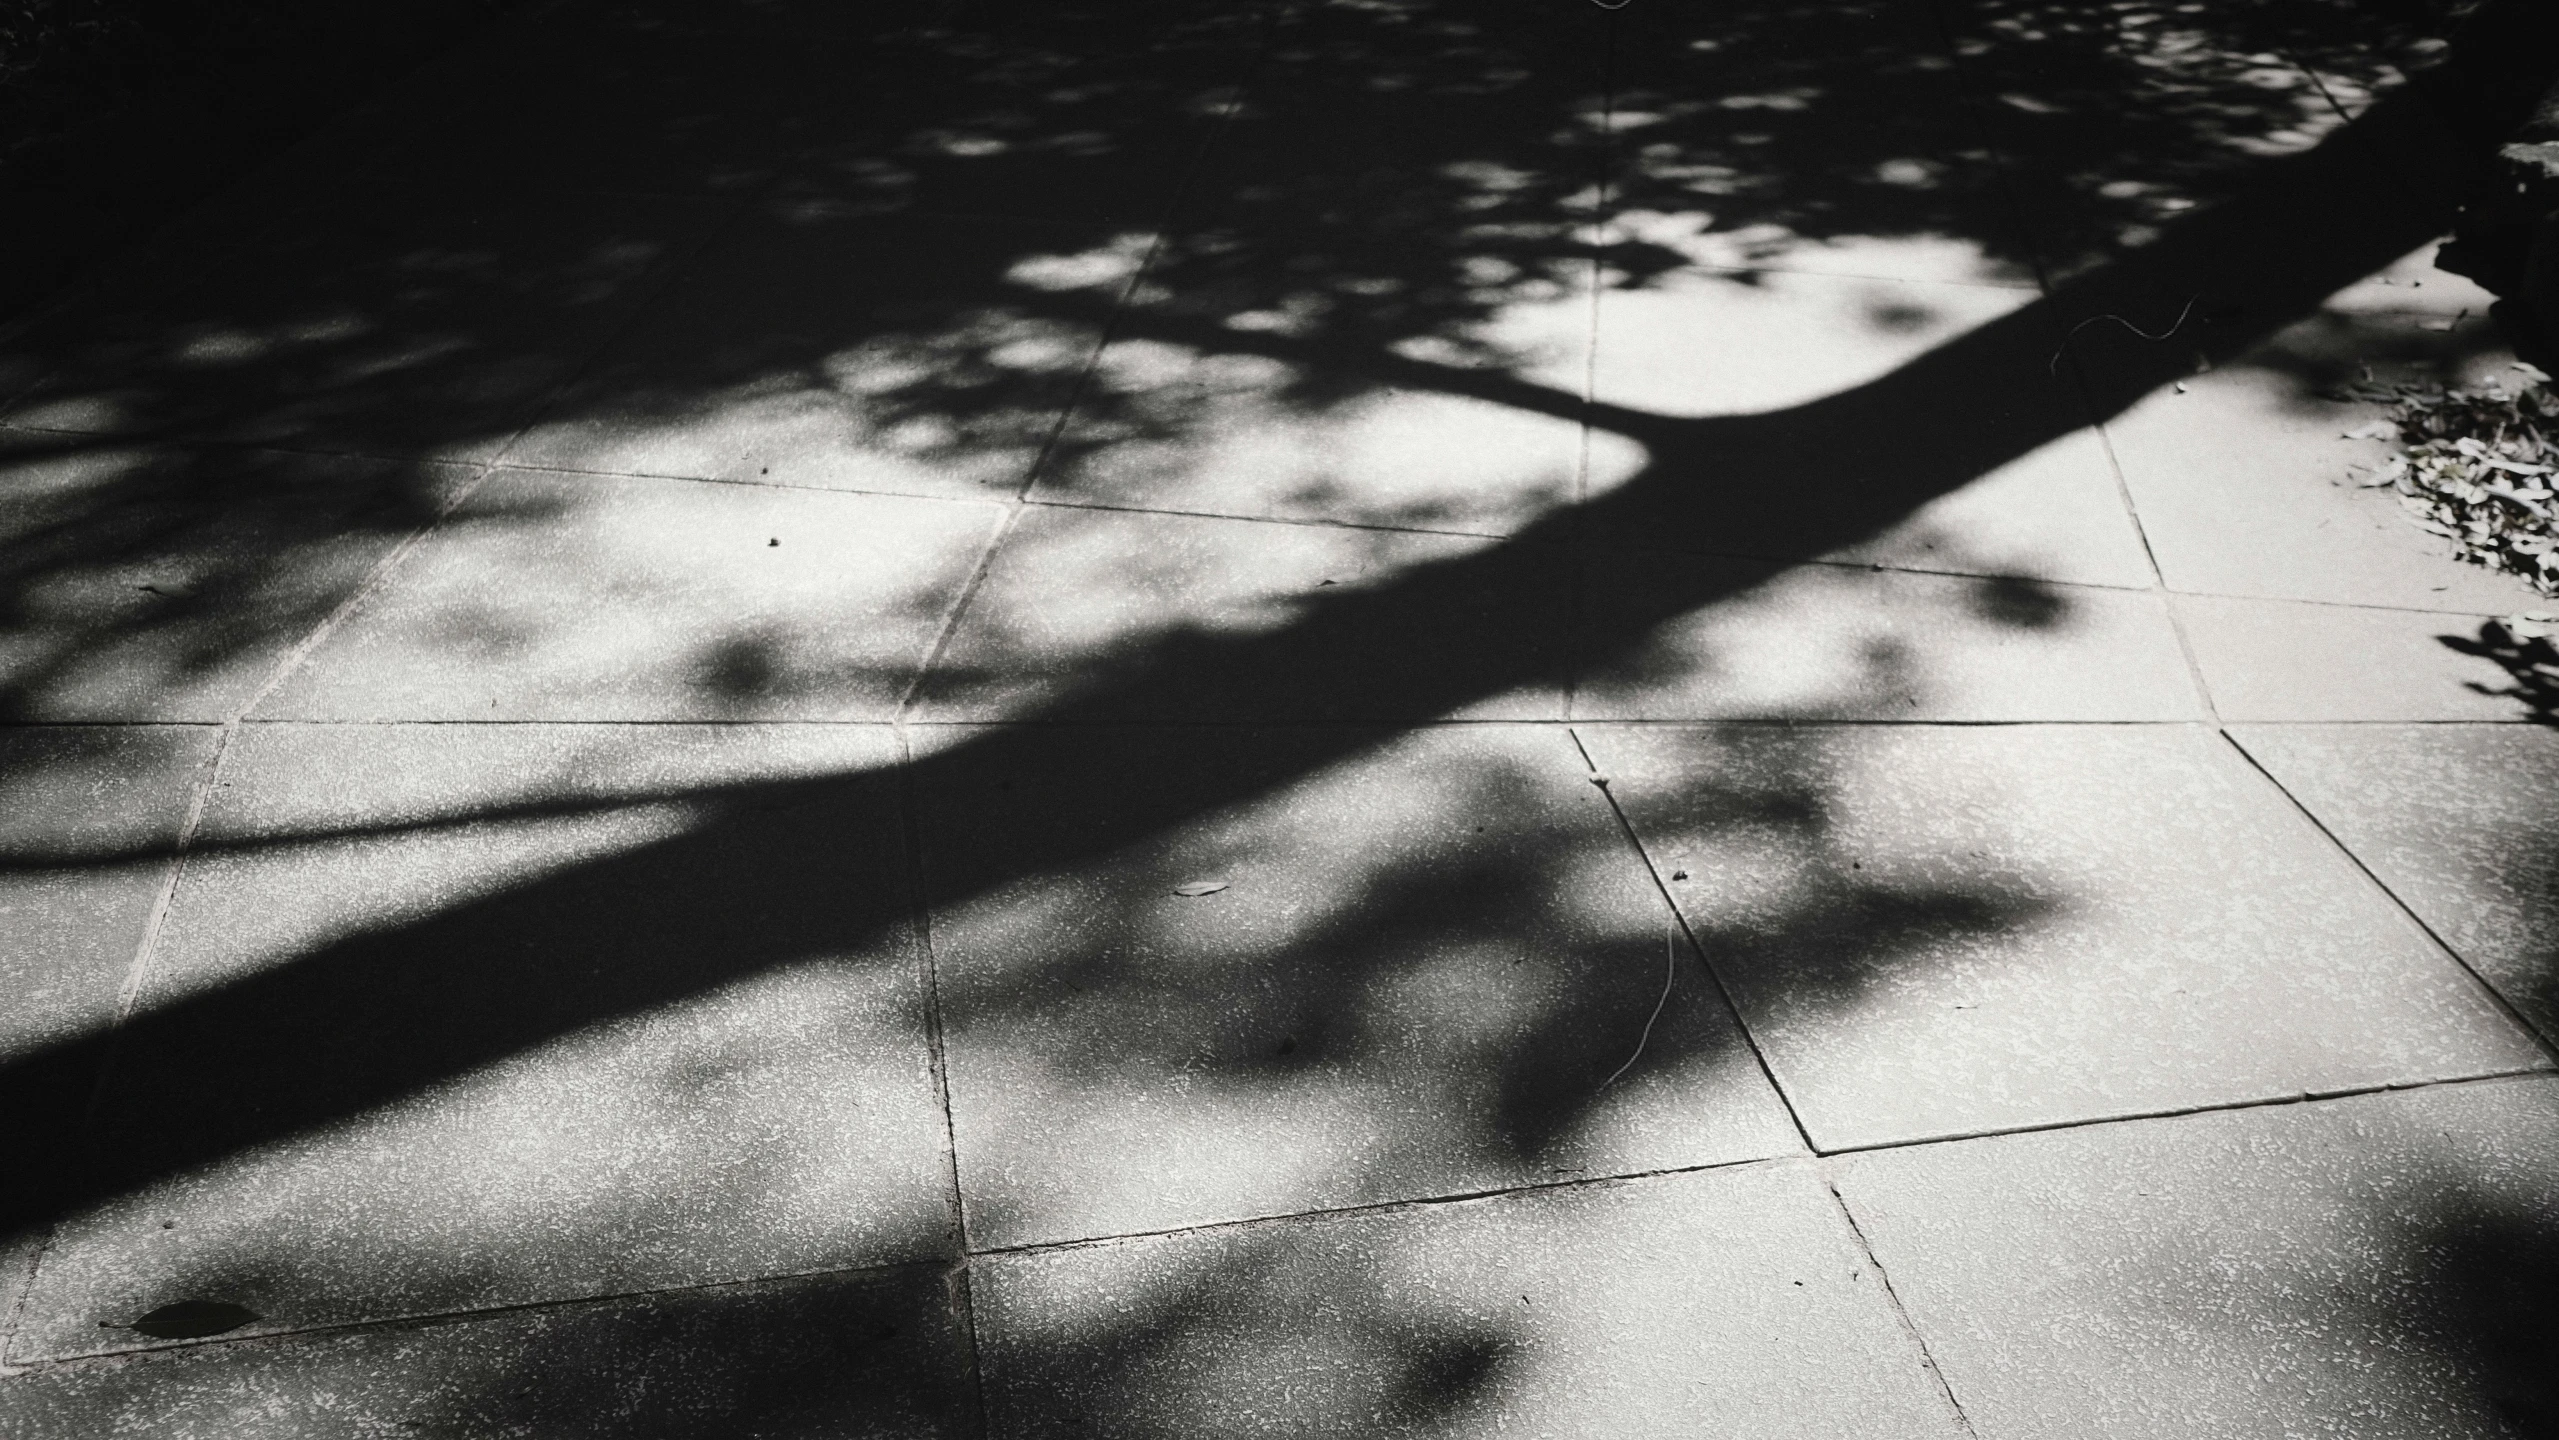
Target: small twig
point(1670, 970)
point(2054, 365)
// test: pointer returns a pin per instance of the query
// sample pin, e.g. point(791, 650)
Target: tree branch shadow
point(370, 1021)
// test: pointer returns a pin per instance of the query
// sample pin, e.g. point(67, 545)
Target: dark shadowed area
point(755, 717)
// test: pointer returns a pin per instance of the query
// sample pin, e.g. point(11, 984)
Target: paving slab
point(1743, 149)
point(89, 818)
point(810, 346)
point(1789, 340)
point(1730, 1302)
point(463, 1017)
point(1149, 617)
point(824, 1359)
point(2056, 513)
point(1837, 642)
point(584, 597)
point(2456, 820)
point(158, 583)
point(1940, 931)
point(891, 668)
point(1229, 393)
point(1430, 954)
point(2247, 479)
point(2280, 660)
point(387, 325)
point(2109, 134)
point(1273, 433)
point(1393, 218)
point(2378, 1265)
point(1781, 338)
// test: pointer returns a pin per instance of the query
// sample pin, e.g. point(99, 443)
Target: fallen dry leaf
point(2473, 469)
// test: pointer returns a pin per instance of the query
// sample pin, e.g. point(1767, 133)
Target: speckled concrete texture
point(1732, 1301)
point(2377, 1265)
point(162, 583)
point(638, 598)
point(1035, 718)
point(1833, 642)
point(2248, 487)
point(1427, 959)
point(786, 356)
point(1346, 115)
point(1076, 602)
point(836, 1358)
point(447, 1018)
point(89, 820)
point(2282, 660)
point(1939, 931)
point(2459, 822)
point(1222, 435)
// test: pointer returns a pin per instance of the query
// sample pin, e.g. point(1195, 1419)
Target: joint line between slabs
point(1603, 217)
point(1679, 919)
point(1156, 241)
point(919, 901)
point(1021, 497)
point(960, 602)
point(959, 1294)
point(641, 310)
point(440, 1319)
point(2548, 1045)
point(1818, 1159)
point(2168, 606)
point(2269, 1102)
point(1901, 1312)
point(1386, 1207)
point(146, 951)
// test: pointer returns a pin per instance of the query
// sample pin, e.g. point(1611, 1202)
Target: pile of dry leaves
point(2477, 466)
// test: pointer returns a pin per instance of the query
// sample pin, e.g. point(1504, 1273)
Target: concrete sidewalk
point(1208, 719)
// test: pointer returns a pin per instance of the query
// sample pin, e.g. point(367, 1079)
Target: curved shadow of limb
point(360, 1023)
